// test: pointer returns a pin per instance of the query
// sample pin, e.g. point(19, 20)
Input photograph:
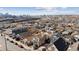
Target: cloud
point(42, 10)
point(58, 10)
point(53, 9)
point(1, 9)
point(46, 8)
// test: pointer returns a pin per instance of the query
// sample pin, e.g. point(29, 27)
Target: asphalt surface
point(2, 44)
point(6, 45)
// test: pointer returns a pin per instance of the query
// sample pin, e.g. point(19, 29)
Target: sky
point(39, 10)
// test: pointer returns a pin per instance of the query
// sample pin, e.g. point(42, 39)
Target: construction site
point(44, 33)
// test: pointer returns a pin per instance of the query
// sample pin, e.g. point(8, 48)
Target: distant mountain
point(5, 15)
point(1, 14)
point(9, 17)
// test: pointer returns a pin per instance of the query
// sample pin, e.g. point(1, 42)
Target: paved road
point(6, 45)
point(2, 44)
point(13, 47)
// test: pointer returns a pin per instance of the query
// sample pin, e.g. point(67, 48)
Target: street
point(6, 45)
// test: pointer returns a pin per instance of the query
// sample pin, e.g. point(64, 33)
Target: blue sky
point(39, 10)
